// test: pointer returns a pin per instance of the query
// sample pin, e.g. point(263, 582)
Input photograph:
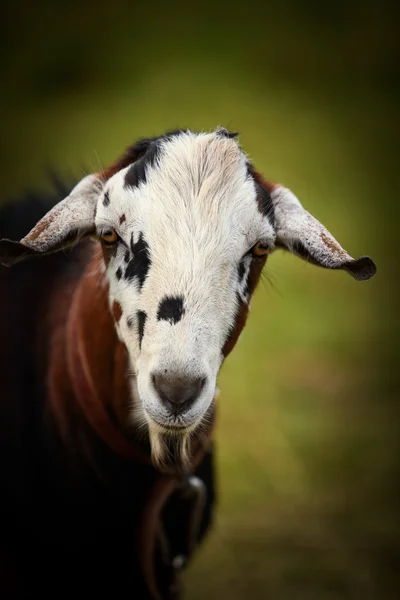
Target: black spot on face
point(127, 256)
point(171, 309)
point(118, 274)
point(141, 316)
point(129, 322)
point(106, 199)
point(137, 173)
point(139, 264)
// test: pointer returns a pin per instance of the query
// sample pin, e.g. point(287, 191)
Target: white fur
point(198, 213)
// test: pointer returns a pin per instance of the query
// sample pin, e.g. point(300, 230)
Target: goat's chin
point(170, 448)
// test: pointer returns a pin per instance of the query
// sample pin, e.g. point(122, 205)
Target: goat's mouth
point(172, 428)
point(172, 425)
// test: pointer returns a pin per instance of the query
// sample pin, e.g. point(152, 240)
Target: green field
point(308, 423)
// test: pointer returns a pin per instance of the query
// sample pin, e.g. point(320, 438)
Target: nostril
point(177, 392)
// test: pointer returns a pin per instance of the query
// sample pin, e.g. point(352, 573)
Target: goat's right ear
point(62, 226)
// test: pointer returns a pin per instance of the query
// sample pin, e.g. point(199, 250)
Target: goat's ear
point(298, 231)
point(62, 226)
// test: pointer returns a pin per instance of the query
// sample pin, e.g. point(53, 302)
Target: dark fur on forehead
point(264, 200)
point(142, 146)
point(137, 173)
point(144, 152)
point(131, 155)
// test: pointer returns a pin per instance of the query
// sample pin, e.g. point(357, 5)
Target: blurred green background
point(308, 428)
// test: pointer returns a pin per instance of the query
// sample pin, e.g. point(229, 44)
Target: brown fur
point(107, 252)
point(116, 311)
point(39, 228)
point(269, 185)
point(331, 245)
point(243, 311)
point(85, 360)
point(92, 347)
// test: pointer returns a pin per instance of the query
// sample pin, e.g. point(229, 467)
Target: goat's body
point(69, 524)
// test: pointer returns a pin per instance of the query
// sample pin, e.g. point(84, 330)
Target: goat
point(110, 355)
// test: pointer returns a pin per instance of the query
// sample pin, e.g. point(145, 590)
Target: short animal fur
point(112, 339)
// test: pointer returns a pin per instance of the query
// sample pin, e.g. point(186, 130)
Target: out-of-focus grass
point(307, 428)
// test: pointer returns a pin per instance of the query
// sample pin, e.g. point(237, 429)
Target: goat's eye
point(260, 250)
point(109, 237)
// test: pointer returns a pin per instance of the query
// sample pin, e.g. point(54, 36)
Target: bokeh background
point(308, 428)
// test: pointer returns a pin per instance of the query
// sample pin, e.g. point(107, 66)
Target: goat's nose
point(177, 392)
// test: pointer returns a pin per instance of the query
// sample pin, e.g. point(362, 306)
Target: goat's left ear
point(298, 231)
point(62, 226)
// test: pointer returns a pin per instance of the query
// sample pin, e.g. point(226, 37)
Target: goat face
point(184, 239)
point(185, 225)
